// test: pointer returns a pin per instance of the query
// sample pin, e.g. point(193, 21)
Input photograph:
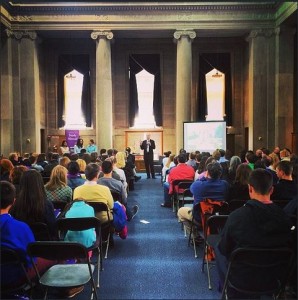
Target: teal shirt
point(91, 148)
point(80, 209)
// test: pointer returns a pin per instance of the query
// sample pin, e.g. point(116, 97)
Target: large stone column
point(183, 82)
point(104, 108)
point(25, 91)
point(284, 91)
point(261, 88)
point(6, 98)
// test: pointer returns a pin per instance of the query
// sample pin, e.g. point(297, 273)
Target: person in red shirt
point(181, 171)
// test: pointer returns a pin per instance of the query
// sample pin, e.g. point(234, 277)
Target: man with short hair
point(286, 188)
point(148, 145)
point(116, 185)
point(181, 172)
point(259, 223)
point(93, 192)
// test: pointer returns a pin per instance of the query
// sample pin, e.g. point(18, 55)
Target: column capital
point(262, 33)
point(188, 33)
point(20, 34)
point(102, 34)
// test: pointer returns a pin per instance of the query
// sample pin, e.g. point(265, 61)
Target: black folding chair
point(41, 231)
point(116, 196)
point(80, 224)
point(106, 227)
point(11, 260)
point(179, 186)
point(257, 272)
point(212, 228)
point(63, 274)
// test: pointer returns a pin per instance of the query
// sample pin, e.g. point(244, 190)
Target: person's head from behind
point(214, 170)
point(106, 167)
point(284, 169)
point(82, 164)
point(73, 168)
point(16, 173)
point(8, 194)
point(260, 183)
point(242, 174)
point(120, 158)
point(58, 177)
point(251, 157)
point(92, 171)
point(30, 204)
point(234, 163)
point(55, 157)
point(181, 158)
point(64, 161)
point(5, 165)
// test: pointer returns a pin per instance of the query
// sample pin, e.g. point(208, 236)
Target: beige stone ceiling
point(150, 19)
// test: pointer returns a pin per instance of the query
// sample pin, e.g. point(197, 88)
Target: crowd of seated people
point(257, 179)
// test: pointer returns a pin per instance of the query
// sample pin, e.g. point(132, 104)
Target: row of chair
point(280, 263)
point(72, 251)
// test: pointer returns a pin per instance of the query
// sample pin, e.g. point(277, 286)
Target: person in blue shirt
point(91, 147)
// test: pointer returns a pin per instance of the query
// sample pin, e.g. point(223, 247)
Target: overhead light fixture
point(217, 75)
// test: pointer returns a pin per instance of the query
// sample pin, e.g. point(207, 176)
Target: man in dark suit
point(148, 145)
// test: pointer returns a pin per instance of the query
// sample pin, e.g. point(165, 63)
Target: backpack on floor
point(120, 219)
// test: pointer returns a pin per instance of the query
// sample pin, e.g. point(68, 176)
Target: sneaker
point(134, 211)
point(137, 178)
point(74, 291)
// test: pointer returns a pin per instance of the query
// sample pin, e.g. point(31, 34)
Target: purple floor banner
point(71, 137)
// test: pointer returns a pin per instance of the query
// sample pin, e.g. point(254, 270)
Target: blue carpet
point(154, 262)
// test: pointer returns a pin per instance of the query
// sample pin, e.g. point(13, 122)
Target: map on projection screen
point(204, 136)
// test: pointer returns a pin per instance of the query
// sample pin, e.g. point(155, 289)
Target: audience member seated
point(93, 192)
point(74, 178)
point(234, 163)
point(118, 165)
point(259, 223)
point(42, 160)
point(5, 167)
point(286, 188)
point(202, 174)
point(183, 172)
point(239, 188)
point(80, 209)
point(32, 205)
point(15, 177)
point(64, 161)
point(82, 165)
point(53, 162)
point(131, 161)
point(251, 158)
point(14, 158)
point(57, 188)
point(211, 187)
point(192, 161)
point(165, 158)
point(117, 186)
point(15, 235)
point(108, 181)
point(168, 165)
point(25, 160)
point(33, 163)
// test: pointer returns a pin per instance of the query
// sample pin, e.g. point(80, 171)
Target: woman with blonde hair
point(169, 164)
point(82, 165)
point(57, 188)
